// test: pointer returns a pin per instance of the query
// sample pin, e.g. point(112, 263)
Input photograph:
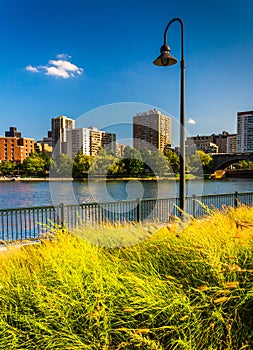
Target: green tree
point(104, 164)
point(206, 161)
point(7, 167)
point(81, 165)
point(132, 162)
point(173, 159)
point(64, 166)
point(147, 160)
point(192, 163)
point(47, 161)
point(117, 168)
point(158, 163)
point(199, 162)
point(33, 165)
point(244, 164)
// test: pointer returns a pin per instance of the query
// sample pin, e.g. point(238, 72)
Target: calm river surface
point(26, 194)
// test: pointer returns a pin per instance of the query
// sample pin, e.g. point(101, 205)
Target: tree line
point(135, 164)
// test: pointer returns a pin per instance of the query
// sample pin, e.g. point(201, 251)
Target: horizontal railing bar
point(28, 208)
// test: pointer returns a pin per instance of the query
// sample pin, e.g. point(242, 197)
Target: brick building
point(221, 140)
point(15, 148)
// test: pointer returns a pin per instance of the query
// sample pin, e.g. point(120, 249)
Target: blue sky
point(61, 57)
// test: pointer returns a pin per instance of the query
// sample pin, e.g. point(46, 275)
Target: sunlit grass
point(179, 286)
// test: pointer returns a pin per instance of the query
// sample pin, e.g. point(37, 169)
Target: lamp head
point(165, 59)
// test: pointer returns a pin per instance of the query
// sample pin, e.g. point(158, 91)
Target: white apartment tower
point(244, 132)
point(78, 140)
point(88, 141)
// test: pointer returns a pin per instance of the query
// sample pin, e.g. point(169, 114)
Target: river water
point(26, 194)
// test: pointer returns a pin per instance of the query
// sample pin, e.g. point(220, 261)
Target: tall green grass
point(188, 288)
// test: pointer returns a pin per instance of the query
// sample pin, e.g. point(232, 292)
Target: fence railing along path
point(34, 222)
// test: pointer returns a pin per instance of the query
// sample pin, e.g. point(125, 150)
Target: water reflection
point(27, 194)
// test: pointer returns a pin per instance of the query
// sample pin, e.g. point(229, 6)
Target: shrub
point(177, 289)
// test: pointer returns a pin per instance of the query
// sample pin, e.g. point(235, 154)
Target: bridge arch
point(222, 160)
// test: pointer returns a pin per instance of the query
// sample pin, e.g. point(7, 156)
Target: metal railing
point(34, 222)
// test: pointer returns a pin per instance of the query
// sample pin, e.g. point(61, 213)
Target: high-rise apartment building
point(151, 130)
point(244, 132)
point(59, 127)
point(88, 141)
point(15, 148)
point(78, 140)
point(108, 141)
point(95, 141)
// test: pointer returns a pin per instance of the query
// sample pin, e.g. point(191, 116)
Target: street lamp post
point(166, 59)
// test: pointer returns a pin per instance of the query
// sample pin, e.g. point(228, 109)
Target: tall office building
point(244, 132)
point(151, 130)
point(59, 127)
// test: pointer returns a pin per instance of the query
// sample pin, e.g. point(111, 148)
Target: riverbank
point(32, 179)
point(95, 178)
point(229, 174)
point(239, 174)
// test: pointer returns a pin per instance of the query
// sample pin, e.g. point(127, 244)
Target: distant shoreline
point(46, 179)
point(32, 179)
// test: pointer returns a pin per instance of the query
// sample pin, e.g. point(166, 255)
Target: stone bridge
point(222, 160)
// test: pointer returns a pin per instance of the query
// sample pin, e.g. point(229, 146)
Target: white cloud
point(30, 68)
point(66, 66)
point(61, 67)
point(191, 121)
point(54, 71)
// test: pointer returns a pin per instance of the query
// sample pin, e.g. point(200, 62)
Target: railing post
point(236, 200)
point(194, 205)
point(138, 210)
point(62, 214)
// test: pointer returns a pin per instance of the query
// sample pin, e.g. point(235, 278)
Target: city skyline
point(150, 129)
point(69, 58)
point(49, 131)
